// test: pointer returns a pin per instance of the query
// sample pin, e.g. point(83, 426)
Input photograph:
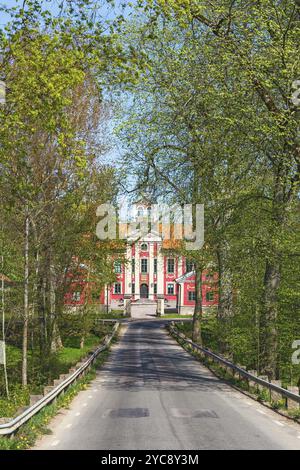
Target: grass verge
point(27, 435)
point(175, 315)
point(260, 395)
point(43, 372)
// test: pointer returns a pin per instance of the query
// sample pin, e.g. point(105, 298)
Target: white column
point(182, 293)
point(107, 296)
point(180, 266)
point(137, 271)
point(128, 277)
point(151, 271)
point(160, 271)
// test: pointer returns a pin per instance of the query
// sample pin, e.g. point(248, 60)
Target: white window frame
point(144, 260)
point(76, 296)
point(118, 267)
point(186, 266)
point(173, 287)
point(140, 211)
point(115, 285)
point(194, 295)
point(210, 292)
point(169, 259)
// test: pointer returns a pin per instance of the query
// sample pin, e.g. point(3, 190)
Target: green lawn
point(41, 373)
point(71, 355)
point(112, 315)
point(177, 316)
point(209, 332)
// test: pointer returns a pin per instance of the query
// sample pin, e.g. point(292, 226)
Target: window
point(133, 265)
point(209, 276)
point(170, 289)
point(144, 265)
point(171, 265)
point(144, 247)
point(140, 211)
point(192, 296)
point(189, 266)
point(133, 288)
point(118, 267)
point(95, 296)
point(76, 296)
point(155, 265)
point(210, 296)
point(117, 288)
point(155, 288)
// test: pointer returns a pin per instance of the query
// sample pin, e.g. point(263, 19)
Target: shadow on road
point(148, 358)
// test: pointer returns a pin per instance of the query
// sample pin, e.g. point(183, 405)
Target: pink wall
point(208, 285)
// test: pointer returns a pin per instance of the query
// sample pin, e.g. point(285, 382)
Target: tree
point(260, 42)
point(50, 172)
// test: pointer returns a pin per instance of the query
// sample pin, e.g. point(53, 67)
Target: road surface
point(151, 394)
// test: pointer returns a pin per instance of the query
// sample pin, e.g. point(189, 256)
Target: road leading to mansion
point(151, 394)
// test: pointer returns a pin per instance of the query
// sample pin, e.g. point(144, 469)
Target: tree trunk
point(269, 340)
point(56, 342)
point(26, 303)
point(225, 291)
point(225, 305)
point(197, 319)
point(3, 326)
point(41, 308)
point(268, 324)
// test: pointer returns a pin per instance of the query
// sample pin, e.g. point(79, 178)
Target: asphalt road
point(151, 394)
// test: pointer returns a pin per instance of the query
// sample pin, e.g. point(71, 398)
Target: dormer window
point(140, 211)
point(144, 247)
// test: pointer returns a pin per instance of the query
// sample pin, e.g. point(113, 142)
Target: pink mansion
point(152, 271)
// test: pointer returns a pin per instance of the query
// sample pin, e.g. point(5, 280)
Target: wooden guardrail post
point(34, 399)
point(250, 376)
point(252, 383)
point(242, 378)
point(276, 396)
point(291, 404)
point(48, 389)
point(51, 393)
point(262, 387)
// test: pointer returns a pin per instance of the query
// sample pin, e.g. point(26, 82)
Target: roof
point(5, 278)
point(168, 235)
point(185, 277)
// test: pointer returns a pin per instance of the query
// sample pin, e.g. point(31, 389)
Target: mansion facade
point(151, 270)
point(150, 273)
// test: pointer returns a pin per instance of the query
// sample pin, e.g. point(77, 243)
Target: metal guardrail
point(12, 426)
point(242, 372)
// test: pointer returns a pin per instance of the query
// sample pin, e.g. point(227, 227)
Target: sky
point(107, 13)
point(114, 155)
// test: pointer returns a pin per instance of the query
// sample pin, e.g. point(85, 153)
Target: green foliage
point(212, 121)
point(28, 434)
point(19, 397)
point(52, 175)
point(42, 371)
